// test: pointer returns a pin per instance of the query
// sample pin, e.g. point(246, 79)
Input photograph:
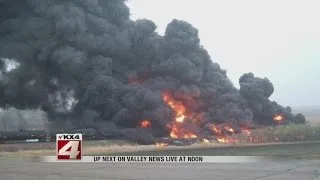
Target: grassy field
point(283, 133)
point(298, 140)
point(48, 148)
point(305, 150)
point(296, 150)
point(292, 140)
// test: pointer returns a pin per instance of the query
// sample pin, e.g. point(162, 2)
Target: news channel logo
point(69, 147)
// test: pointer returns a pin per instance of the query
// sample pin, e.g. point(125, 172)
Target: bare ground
point(301, 149)
point(303, 168)
point(24, 170)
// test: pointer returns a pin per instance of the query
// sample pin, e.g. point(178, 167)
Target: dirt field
point(304, 150)
point(309, 150)
point(24, 170)
point(52, 145)
point(305, 164)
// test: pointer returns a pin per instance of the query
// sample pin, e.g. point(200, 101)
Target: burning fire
point(222, 129)
point(145, 124)
point(223, 140)
point(278, 118)
point(180, 118)
point(230, 129)
point(161, 144)
point(179, 130)
point(205, 140)
point(247, 132)
point(215, 129)
point(177, 106)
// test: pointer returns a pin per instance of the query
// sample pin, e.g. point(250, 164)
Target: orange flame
point(216, 130)
point(230, 129)
point(205, 140)
point(278, 118)
point(161, 144)
point(145, 124)
point(223, 140)
point(177, 106)
point(180, 118)
point(247, 132)
point(179, 132)
point(227, 139)
point(180, 110)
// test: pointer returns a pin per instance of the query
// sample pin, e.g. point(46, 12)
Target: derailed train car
point(88, 133)
point(22, 135)
point(41, 135)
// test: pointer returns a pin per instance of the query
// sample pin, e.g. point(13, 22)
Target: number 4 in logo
point(73, 146)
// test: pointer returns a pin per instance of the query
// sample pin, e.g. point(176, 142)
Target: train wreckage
point(135, 135)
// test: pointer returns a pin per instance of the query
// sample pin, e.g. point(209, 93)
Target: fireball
point(215, 129)
point(180, 118)
point(278, 118)
point(179, 132)
point(176, 106)
point(145, 124)
point(230, 129)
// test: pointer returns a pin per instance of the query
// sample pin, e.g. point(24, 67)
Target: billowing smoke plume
point(257, 91)
point(86, 62)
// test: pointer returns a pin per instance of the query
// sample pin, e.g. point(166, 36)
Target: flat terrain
point(312, 113)
point(304, 164)
point(309, 150)
point(306, 150)
point(13, 169)
point(295, 150)
point(52, 145)
point(315, 121)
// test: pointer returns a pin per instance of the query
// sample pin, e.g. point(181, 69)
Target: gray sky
point(278, 39)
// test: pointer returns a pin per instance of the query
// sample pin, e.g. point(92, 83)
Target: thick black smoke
point(85, 61)
point(257, 92)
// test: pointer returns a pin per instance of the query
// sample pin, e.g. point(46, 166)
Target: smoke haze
point(87, 64)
